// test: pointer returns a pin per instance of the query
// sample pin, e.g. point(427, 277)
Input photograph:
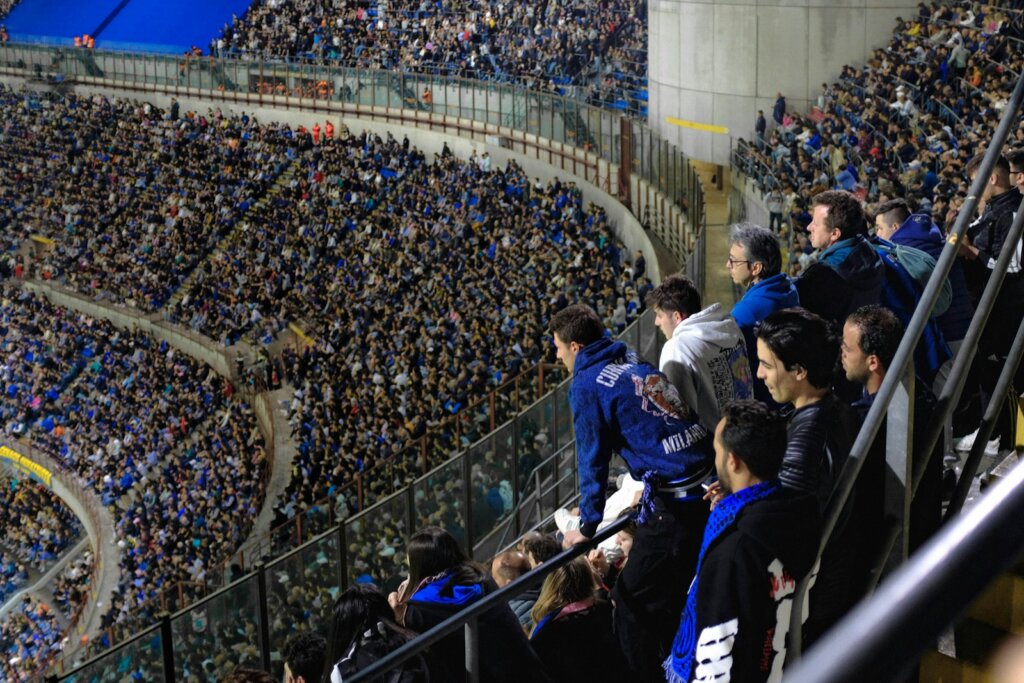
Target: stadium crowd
point(436, 329)
point(30, 636)
point(738, 547)
point(132, 196)
point(903, 125)
point(35, 527)
point(597, 50)
point(161, 437)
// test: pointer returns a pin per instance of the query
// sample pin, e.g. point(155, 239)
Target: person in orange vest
point(316, 133)
point(328, 131)
point(428, 98)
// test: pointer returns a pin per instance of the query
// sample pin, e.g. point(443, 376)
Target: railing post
point(167, 647)
point(491, 409)
point(343, 557)
point(467, 486)
point(472, 651)
point(899, 447)
point(261, 587)
point(410, 514)
point(359, 489)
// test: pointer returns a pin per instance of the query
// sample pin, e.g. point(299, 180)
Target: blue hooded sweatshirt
point(621, 404)
point(920, 232)
point(761, 300)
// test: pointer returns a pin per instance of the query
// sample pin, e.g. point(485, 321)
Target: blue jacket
point(761, 300)
point(621, 404)
point(919, 232)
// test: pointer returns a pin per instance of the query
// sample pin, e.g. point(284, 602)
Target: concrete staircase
point(280, 183)
point(718, 285)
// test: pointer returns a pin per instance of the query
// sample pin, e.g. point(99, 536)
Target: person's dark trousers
point(775, 222)
point(650, 594)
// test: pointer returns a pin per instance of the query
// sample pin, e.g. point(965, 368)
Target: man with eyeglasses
point(755, 263)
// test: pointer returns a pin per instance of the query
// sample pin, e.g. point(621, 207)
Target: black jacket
point(748, 579)
point(505, 654)
point(848, 275)
point(581, 647)
point(988, 233)
point(819, 440)
point(819, 437)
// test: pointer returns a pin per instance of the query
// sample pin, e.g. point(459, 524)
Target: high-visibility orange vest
point(328, 131)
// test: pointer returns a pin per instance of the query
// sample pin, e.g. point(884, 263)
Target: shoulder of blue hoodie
point(764, 298)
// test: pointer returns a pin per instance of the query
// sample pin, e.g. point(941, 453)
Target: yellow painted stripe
point(301, 335)
point(25, 465)
point(707, 127)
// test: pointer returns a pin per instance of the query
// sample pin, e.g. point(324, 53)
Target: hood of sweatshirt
point(602, 352)
point(713, 325)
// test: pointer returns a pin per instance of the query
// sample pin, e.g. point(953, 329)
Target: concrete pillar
point(719, 61)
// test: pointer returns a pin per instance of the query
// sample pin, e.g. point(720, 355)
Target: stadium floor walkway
point(718, 285)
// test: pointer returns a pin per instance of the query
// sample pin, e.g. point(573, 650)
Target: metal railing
point(892, 403)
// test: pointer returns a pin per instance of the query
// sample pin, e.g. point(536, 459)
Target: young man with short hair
point(705, 355)
point(760, 541)
point(620, 403)
point(798, 353)
point(303, 656)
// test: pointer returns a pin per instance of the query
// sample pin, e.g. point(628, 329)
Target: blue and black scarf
point(679, 665)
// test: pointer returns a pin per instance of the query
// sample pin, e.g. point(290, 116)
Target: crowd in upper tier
point(597, 50)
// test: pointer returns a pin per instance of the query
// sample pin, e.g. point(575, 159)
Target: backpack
point(901, 294)
point(919, 265)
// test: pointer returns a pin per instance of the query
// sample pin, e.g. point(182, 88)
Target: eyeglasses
point(730, 262)
point(1012, 172)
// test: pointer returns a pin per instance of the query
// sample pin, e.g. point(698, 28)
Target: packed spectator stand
point(594, 51)
point(35, 529)
point(129, 197)
point(904, 124)
point(162, 439)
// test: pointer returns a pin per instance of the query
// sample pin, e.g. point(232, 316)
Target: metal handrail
point(535, 476)
point(912, 608)
point(902, 362)
point(467, 618)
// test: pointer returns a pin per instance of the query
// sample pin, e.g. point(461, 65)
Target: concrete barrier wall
point(719, 61)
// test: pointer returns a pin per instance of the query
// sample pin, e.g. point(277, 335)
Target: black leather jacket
point(819, 439)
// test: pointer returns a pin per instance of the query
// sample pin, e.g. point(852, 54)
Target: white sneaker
point(992, 449)
point(967, 442)
point(566, 521)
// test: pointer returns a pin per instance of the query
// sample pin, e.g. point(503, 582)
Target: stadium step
point(282, 181)
point(997, 614)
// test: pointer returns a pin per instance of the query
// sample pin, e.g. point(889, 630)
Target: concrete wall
point(719, 61)
point(220, 357)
